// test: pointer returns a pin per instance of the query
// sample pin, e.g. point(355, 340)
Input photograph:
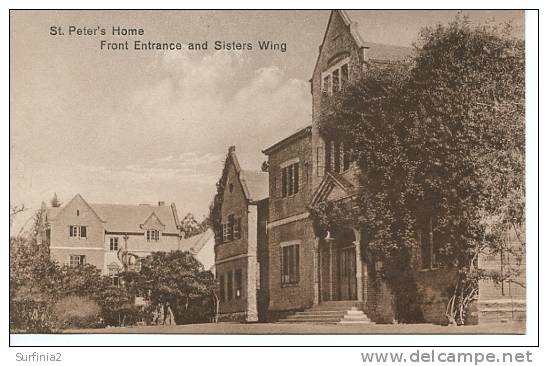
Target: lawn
point(312, 328)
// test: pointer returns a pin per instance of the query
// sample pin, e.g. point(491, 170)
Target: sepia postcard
point(271, 172)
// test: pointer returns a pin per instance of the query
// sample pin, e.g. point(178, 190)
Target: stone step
point(502, 304)
point(310, 320)
point(492, 316)
point(321, 313)
point(348, 316)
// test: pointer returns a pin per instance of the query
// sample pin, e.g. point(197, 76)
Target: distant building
point(80, 233)
point(241, 263)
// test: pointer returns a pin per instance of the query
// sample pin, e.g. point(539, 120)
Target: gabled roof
point(330, 181)
point(254, 183)
point(53, 212)
point(196, 243)
point(374, 51)
point(301, 132)
point(129, 218)
point(126, 218)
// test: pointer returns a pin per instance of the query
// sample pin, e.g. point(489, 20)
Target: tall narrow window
point(290, 264)
point(113, 244)
point(238, 283)
point(327, 84)
point(336, 81)
point(344, 75)
point(284, 182)
point(222, 294)
point(229, 288)
point(230, 228)
point(328, 163)
point(237, 228)
point(295, 178)
point(290, 180)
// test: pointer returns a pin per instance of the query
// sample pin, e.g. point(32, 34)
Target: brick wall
point(297, 296)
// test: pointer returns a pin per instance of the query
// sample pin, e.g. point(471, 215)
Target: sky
point(145, 126)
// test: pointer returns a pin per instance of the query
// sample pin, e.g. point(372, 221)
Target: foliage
point(190, 226)
point(76, 312)
point(55, 201)
point(440, 137)
point(215, 213)
point(178, 280)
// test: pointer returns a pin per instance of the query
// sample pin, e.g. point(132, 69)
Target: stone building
point(240, 260)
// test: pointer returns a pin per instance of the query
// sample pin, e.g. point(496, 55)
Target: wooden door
point(347, 274)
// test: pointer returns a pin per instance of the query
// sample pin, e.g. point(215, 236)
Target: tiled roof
point(256, 184)
point(128, 218)
point(384, 52)
point(375, 51)
point(302, 131)
point(195, 243)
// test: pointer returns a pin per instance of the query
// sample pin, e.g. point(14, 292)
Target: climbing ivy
point(215, 213)
point(440, 136)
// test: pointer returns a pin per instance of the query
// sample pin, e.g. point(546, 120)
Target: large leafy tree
point(440, 136)
point(176, 279)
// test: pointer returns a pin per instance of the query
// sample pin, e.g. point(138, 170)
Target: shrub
point(77, 312)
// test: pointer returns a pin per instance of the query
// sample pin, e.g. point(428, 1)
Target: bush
point(77, 312)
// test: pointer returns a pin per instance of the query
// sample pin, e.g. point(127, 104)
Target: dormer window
point(153, 235)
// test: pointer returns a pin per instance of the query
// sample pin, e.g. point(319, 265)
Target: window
point(238, 283)
point(336, 81)
point(230, 228)
point(225, 232)
point(290, 264)
point(77, 212)
point(237, 228)
point(336, 78)
point(327, 84)
point(222, 288)
point(290, 180)
point(76, 231)
point(427, 245)
point(113, 244)
point(337, 156)
point(344, 75)
point(229, 289)
point(77, 260)
point(153, 235)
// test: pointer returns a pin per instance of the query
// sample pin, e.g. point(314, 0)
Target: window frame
point(81, 260)
point(290, 173)
point(290, 263)
point(327, 87)
point(114, 240)
point(152, 235)
point(238, 284)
